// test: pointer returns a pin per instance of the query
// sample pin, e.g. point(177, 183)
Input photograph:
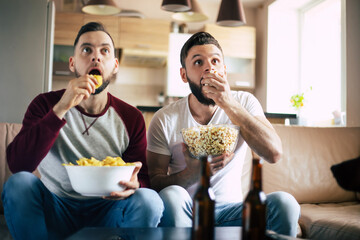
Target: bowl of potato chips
point(214, 139)
point(92, 177)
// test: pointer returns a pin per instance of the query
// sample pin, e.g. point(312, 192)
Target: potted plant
point(298, 102)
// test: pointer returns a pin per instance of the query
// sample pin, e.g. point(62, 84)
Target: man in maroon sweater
point(61, 127)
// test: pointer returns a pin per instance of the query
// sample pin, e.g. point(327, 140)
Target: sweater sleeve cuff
point(144, 184)
point(53, 122)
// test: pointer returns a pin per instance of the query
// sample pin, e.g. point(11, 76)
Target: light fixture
point(193, 15)
point(101, 7)
point(231, 14)
point(176, 5)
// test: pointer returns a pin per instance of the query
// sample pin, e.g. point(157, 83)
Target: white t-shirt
point(164, 137)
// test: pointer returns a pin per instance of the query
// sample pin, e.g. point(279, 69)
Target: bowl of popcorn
point(92, 177)
point(212, 140)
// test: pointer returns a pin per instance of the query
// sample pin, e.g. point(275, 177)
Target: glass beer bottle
point(254, 206)
point(203, 206)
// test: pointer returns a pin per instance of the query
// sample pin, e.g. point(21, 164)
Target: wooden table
point(221, 233)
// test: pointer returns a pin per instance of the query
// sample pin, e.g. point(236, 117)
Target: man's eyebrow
point(198, 55)
point(105, 44)
point(85, 44)
point(89, 44)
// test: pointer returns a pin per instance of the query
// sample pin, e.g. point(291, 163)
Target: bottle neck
point(205, 172)
point(256, 182)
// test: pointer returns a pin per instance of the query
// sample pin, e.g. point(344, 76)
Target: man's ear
point(116, 68)
point(72, 64)
point(183, 75)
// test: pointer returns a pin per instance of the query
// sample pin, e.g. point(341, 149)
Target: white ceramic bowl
point(98, 181)
point(211, 139)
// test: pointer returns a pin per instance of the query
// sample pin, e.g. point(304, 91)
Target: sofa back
point(303, 171)
point(7, 133)
point(308, 153)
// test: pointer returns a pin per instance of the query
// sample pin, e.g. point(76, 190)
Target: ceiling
point(151, 8)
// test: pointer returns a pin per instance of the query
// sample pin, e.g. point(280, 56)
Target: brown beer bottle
point(254, 206)
point(203, 206)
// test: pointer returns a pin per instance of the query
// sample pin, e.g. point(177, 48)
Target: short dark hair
point(92, 27)
point(199, 38)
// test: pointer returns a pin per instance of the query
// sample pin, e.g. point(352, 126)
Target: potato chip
point(99, 79)
point(106, 162)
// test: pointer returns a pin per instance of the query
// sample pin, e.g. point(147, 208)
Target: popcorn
point(217, 72)
point(211, 139)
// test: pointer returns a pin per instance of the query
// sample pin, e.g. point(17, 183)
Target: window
point(304, 56)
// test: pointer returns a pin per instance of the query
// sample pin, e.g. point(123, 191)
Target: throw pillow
point(347, 174)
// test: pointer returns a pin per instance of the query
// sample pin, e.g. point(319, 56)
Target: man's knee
point(20, 182)
point(178, 204)
point(175, 196)
point(21, 189)
point(174, 193)
point(285, 206)
point(284, 201)
point(149, 201)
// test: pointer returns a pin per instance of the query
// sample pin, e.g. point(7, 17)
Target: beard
point(197, 91)
point(105, 83)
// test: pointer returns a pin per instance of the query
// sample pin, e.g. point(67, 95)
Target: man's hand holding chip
point(77, 90)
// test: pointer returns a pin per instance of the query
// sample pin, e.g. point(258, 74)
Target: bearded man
point(60, 127)
point(174, 173)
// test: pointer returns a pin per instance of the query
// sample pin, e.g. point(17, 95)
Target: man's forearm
point(32, 144)
point(257, 132)
point(185, 179)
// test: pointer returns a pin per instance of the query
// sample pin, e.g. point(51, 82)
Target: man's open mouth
point(95, 72)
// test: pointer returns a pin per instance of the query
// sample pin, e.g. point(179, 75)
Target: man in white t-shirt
point(175, 174)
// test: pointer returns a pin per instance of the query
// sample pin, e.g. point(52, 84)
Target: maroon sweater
point(45, 141)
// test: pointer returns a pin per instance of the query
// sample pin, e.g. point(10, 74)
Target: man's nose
point(95, 59)
point(207, 66)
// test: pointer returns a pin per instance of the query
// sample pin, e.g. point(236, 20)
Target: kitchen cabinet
point(136, 33)
point(127, 33)
point(240, 73)
point(238, 42)
point(67, 26)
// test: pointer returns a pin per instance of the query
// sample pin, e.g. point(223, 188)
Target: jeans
point(33, 212)
point(283, 211)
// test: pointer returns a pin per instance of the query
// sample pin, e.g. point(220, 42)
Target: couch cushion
point(7, 133)
point(308, 153)
point(331, 220)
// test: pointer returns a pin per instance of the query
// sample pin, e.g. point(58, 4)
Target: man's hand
point(131, 185)
point(219, 162)
point(78, 89)
point(217, 88)
point(216, 164)
point(193, 165)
